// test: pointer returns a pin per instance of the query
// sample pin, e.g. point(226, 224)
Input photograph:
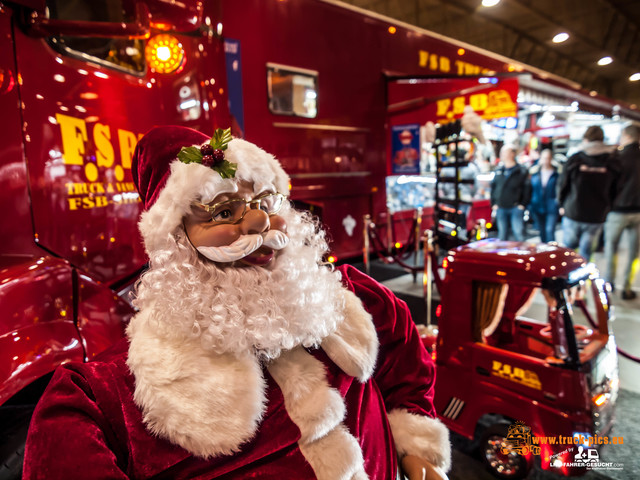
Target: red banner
point(443, 100)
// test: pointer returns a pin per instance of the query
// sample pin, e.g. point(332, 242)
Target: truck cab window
point(120, 53)
point(292, 91)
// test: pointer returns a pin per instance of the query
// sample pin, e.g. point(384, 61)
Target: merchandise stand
point(450, 212)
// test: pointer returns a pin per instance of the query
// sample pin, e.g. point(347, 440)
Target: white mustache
point(245, 245)
point(276, 239)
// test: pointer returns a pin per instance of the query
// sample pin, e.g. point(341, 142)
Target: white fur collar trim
point(318, 411)
point(208, 404)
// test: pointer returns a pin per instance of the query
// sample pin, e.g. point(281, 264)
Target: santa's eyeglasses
point(234, 210)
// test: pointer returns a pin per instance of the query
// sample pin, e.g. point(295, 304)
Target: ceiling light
point(490, 3)
point(561, 37)
point(605, 61)
point(635, 77)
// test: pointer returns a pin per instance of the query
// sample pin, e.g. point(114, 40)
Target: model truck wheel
point(499, 457)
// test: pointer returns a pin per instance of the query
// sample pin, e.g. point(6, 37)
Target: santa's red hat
point(168, 186)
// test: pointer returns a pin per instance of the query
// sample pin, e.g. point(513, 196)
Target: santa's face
point(240, 228)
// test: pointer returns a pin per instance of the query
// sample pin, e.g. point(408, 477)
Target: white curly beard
point(294, 301)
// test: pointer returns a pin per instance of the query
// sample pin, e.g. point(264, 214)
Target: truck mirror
point(180, 17)
point(37, 5)
point(38, 24)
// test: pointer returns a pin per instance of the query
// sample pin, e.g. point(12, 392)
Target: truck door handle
point(483, 371)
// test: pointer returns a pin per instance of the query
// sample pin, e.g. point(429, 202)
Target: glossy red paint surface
point(37, 328)
point(81, 123)
point(16, 231)
point(70, 210)
point(512, 261)
point(102, 316)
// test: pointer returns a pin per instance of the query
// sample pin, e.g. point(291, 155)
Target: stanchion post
point(389, 232)
point(365, 248)
point(426, 276)
point(481, 232)
point(418, 214)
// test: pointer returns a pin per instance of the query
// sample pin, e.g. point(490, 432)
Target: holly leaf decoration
point(226, 169)
point(219, 141)
point(190, 155)
point(221, 138)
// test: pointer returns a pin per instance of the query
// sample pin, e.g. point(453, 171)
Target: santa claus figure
point(248, 357)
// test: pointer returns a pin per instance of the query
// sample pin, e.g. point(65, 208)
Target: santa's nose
point(255, 221)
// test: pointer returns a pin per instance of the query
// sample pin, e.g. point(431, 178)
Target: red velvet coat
point(87, 425)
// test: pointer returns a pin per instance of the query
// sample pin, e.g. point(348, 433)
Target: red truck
point(517, 356)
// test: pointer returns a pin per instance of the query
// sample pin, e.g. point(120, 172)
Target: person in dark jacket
point(586, 192)
point(510, 193)
point(625, 213)
point(544, 206)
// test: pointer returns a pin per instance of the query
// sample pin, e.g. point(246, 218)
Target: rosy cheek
point(217, 236)
point(278, 223)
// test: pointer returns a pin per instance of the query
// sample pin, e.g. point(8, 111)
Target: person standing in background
point(543, 205)
point(586, 191)
point(625, 213)
point(510, 193)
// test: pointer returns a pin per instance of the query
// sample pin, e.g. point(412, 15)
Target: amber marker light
point(398, 245)
point(461, 51)
point(332, 259)
point(392, 30)
point(600, 400)
point(165, 54)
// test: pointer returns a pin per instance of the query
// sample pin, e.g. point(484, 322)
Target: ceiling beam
point(624, 14)
point(623, 35)
point(485, 14)
point(607, 36)
point(632, 44)
point(514, 48)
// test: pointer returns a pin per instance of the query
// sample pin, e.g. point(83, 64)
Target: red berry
point(218, 156)
point(206, 149)
point(208, 160)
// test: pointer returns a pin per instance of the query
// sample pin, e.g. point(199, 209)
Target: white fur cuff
point(421, 436)
point(354, 345)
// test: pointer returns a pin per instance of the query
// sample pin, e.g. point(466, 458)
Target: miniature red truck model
point(514, 345)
